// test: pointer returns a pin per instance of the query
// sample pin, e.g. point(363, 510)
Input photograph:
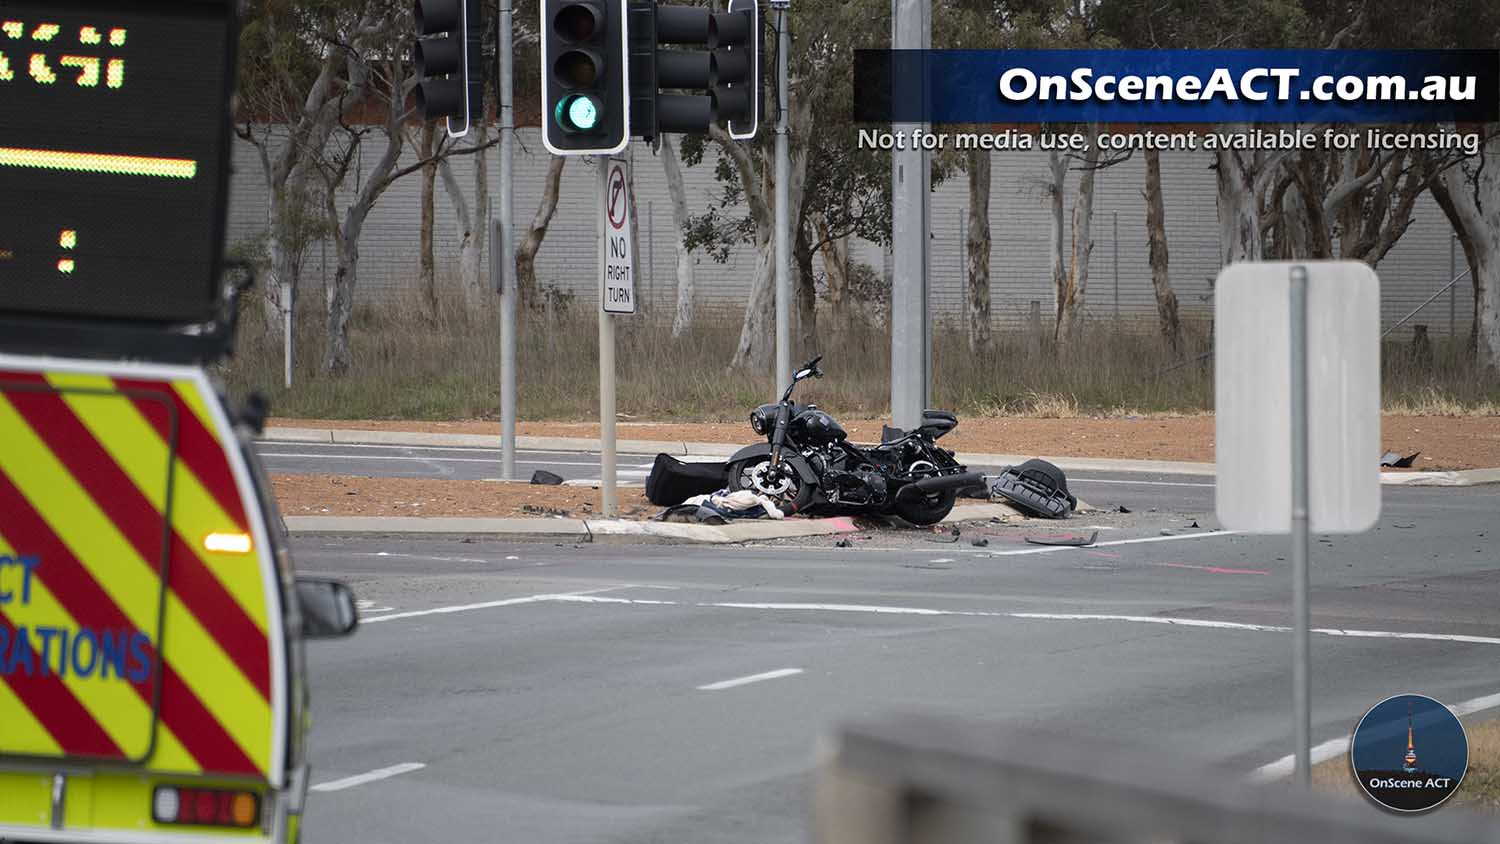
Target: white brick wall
point(1019, 224)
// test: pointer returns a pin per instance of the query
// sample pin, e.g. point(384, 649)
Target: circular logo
point(1409, 753)
point(616, 199)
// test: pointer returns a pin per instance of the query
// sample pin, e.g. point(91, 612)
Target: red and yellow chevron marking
point(105, 488)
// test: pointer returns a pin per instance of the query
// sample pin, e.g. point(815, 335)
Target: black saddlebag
point(1036, 487)
point(672, 481)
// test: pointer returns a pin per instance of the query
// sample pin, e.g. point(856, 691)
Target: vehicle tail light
point(179, 805)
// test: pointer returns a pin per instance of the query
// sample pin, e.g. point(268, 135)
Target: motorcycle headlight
point(758, 421)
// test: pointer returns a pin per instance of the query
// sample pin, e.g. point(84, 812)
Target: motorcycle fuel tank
point(814, 427)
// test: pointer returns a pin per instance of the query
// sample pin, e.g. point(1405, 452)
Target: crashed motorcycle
point(807, 464)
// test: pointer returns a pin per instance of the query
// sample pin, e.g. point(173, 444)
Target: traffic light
point(585, 77)
point(724, 64)
point(450, 61)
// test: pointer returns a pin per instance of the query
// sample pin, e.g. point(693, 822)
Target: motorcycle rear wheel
point(795, 499)
point(923, 510)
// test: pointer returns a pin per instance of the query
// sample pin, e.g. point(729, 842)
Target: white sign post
point(616, 296)
point(1297, 418)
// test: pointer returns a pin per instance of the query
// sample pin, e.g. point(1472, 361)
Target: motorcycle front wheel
point(782, 486)
point(923, 510)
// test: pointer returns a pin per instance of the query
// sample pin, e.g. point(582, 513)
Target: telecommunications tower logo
point(1409, 753)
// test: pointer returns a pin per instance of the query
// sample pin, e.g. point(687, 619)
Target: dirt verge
point(349, 495)
point(1444, 442)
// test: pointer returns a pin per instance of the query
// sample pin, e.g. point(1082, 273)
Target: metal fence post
point(650, 249)
point(1452, 292)
point(1117, 267)
point(1301, 637)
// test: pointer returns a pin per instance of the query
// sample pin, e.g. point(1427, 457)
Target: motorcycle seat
point(936, 423)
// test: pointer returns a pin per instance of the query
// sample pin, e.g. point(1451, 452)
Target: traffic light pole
point(783, 218)
point(911, 29)
point(501, 246)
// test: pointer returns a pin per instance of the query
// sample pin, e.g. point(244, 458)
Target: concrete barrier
point(929, 781)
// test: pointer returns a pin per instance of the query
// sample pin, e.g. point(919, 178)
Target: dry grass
point(1480, 789)
point(409, 365)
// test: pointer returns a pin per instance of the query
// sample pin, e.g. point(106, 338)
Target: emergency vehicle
point(152, 677)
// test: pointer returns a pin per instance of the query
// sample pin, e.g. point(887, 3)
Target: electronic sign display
point(114, 127)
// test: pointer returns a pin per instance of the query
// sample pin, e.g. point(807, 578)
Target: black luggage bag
point(672, 481)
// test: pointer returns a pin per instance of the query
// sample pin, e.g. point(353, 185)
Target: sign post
point(1297, 420)
point(616, 296)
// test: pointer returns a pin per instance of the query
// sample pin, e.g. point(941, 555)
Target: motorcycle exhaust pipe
point(939, 483)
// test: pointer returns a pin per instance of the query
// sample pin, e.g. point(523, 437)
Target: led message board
point(114, 122)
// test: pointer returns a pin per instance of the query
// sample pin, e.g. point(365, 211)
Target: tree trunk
point(337, 358)
point(756, 349)
point(835, 253)
point(1156, 237)
point(1082, 247)
point(473, 223)
point(805, 339)
point(526, 285)
point(426, 273)
point(682, 321)
point(978, 250)
point(1239, 210)
point(1058, 167)
point(471, 267)
point(1469, 194)
point(284, 264)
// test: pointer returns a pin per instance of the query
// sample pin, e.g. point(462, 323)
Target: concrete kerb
point(563, 527)
point(419, 439)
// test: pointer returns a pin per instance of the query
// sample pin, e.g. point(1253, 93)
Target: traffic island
point(354, 505)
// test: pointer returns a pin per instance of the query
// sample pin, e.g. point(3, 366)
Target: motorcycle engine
point(863, 486)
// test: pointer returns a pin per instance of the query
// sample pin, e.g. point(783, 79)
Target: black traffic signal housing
point(585, 77)
point(449, 60)
point(724, 63)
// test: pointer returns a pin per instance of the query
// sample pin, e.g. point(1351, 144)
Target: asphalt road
point(616, 692)
point(1165, 492)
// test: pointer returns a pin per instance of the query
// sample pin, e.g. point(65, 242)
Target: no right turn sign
point(619, 260)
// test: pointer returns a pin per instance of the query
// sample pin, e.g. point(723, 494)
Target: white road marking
point(430, 557)
point(879, 609)
point(485, 605)
point(592, 596)
point(1172, 538)
point(371, 776)
point(1052, 549)
point(753, 678)
point(856, 608)
point(1284, 766)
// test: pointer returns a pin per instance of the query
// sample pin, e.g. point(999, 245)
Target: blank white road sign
point(1252, 396)
point(619, 261)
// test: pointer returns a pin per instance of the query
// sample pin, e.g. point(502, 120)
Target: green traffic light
point(578, 112)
